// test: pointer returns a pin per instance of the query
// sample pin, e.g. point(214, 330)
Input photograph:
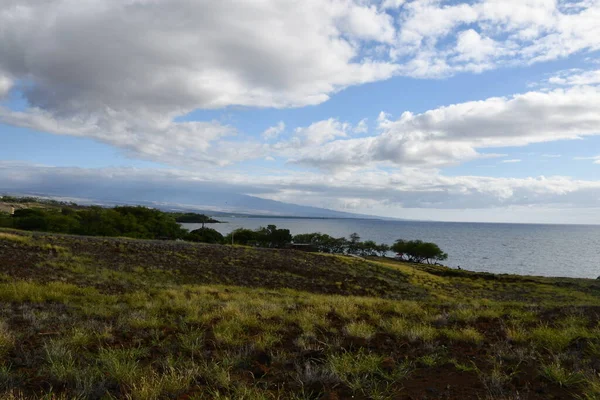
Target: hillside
point(89, 317)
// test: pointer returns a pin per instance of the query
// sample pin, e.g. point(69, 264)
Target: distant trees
point(418, 251)
point(322, 242)
point(36, 200)
point(412, 251)
point(194, 218)
point(327, 244)
point(262, 237)
point(148, 223)
point(129, 221)
point(370, 248)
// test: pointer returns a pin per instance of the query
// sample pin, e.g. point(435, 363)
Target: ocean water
point(525, 249)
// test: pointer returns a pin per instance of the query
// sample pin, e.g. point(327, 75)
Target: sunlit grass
point(140, 332)
point(10, 237)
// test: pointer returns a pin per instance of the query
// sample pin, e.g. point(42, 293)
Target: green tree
point(418, 251)
point(273, 237)
point(322, 242)
point(30, 219)
point(241, 236)
point(62, 223)
point(354, 244)
point(205, 235)
point(6, 221)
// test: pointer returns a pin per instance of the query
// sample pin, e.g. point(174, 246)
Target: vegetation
point(194, 218)
point(270, 237)
point(205, 235)
point(136, 222)
point(37, 200)
point(89, 317)
point(147, 223)
point(418, 251)
point(327, 244)
point(48, 215)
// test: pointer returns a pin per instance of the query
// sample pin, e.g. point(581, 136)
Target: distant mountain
point(250, 205)
point(213, 203)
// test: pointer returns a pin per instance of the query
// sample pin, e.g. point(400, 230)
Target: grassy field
point(94, 318)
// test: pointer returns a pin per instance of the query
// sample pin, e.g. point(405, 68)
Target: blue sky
point(477, 110)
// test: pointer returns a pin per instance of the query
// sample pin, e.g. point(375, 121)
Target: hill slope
point(92, 317)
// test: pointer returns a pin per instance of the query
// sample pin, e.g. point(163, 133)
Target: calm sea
point(546, 250)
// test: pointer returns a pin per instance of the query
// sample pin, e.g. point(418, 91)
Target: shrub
point(205, 235)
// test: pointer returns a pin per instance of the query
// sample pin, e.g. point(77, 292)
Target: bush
point(205, 235)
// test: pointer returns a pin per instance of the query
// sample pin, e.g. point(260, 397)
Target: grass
point(10, 237)
point(122, 364)
point(413, 331)
point(7, 340)
point(360, 329)
point(113, 318)
point(470, 335)
point(60, 361)
point(564, 377)
point(557, 339)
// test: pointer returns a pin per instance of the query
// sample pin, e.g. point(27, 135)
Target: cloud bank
point(389, 193)
point(124, 72)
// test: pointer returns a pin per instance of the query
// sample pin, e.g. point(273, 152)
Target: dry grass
point(77, 325)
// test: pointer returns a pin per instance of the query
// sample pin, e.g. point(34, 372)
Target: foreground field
point(118, 318)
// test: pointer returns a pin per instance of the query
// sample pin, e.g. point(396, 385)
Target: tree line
point(148, 223)
point(128, 221)
point(406, 250)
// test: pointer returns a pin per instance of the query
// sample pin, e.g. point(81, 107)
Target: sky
point(479, 110)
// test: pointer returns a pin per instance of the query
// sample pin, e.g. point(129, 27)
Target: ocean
point(524, 249)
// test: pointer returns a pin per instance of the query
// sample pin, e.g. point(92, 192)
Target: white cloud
point(5, 85)
point(471, 46)
point(320, 132)
point(369, 24)
point(576, 77)
point(595, 159)
point(511, 161)
point(530, 31)
point(124, 72)
point(151, 138)
point(387, 4)
point(361, 127)
point(274, 131)
point(180, 55)
point(453, 134)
